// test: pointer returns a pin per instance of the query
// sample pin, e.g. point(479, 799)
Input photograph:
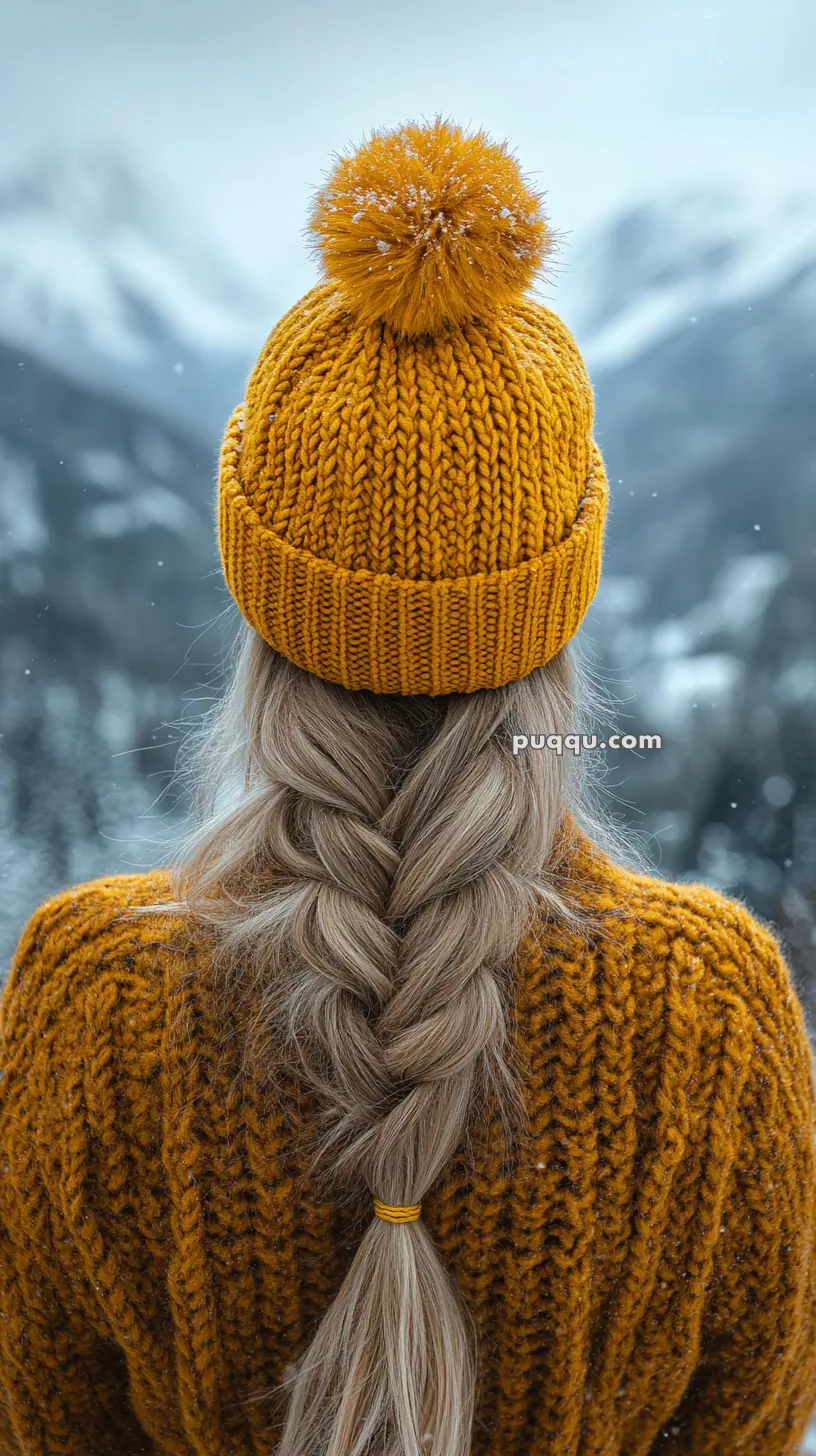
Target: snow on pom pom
point(429, 225)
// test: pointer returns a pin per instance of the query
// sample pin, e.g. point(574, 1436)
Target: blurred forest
point(122, 349)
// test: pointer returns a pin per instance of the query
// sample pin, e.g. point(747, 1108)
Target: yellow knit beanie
point(410, 496)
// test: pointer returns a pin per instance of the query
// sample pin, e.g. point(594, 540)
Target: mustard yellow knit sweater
point(642, 1274)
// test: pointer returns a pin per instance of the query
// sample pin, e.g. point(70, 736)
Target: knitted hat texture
point(410, 496)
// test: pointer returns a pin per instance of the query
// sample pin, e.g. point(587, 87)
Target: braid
point(380, 871)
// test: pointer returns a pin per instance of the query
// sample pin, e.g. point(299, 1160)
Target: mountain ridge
point(103, 277)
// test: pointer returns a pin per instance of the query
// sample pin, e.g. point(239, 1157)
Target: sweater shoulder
point(705, 916)
point(79, 935)
point(720, 928)
point(91, 905)
point(90, 914)
point(649, 917)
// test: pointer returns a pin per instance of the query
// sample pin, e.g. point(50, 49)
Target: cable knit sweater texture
point(641, 1272)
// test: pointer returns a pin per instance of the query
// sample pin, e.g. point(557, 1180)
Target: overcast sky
point(239, 106)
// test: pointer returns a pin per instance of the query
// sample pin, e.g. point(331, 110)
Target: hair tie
point(397, 1213)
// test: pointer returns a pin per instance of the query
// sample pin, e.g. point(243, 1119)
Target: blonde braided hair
point(376, 872)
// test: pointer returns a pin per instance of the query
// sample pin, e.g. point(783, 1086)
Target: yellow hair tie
point(395, 1213)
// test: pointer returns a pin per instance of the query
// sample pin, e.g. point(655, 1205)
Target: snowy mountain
point(109, 282)
point(123, 345)
point(697, 320)
point(108, 581)
point(671, 263)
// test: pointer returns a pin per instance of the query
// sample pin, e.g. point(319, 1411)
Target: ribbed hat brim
point(395, 635)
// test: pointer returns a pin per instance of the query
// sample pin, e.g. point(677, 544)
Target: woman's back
point(396, 1120)
point(640, 1272)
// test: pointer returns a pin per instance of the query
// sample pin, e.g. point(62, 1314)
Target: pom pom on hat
point(427, 226)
